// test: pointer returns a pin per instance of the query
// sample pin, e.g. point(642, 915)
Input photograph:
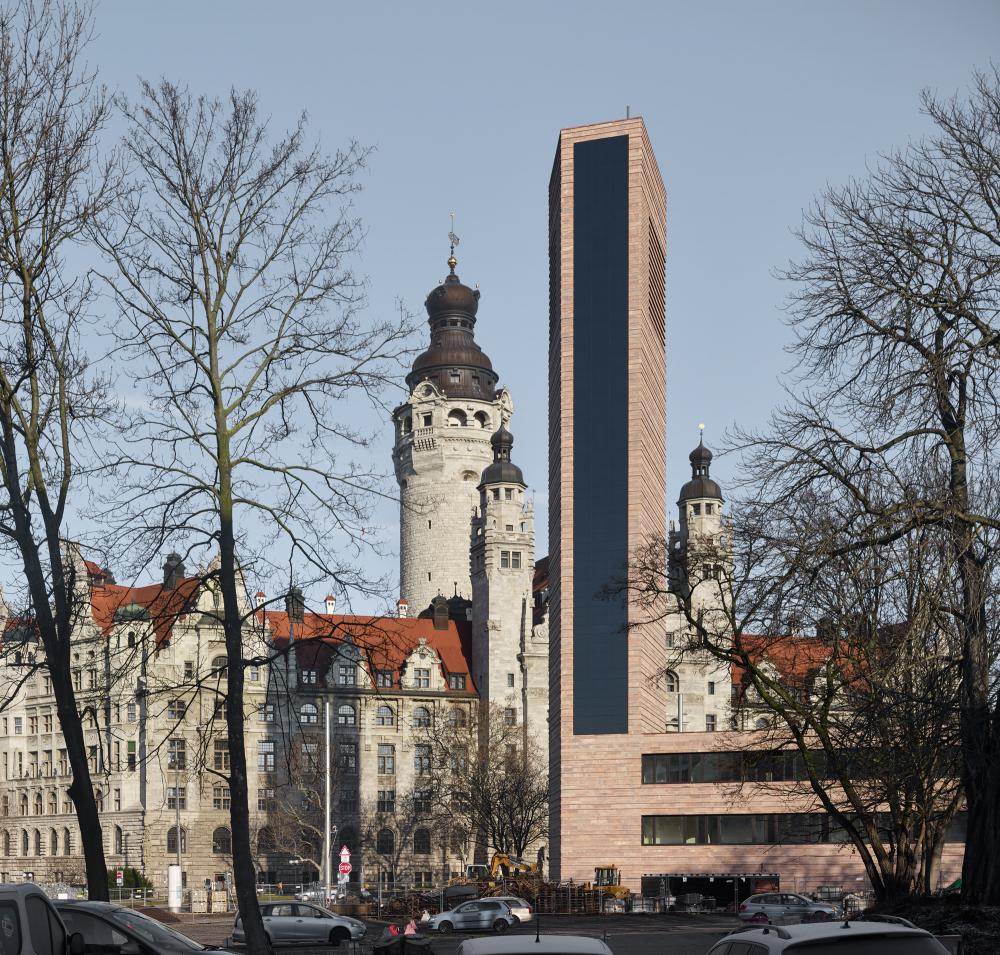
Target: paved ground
point(626, 934)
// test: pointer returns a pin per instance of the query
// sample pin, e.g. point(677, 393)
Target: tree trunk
point(239, 806)
point(56, 633)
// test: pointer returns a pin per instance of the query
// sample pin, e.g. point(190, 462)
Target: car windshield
point(869, 945)
point(152, 931)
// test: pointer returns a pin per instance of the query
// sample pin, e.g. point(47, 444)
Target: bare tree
point(845, 663)
point(51, 400)
point(489, 784)
point(895, 312)
point(244, 327)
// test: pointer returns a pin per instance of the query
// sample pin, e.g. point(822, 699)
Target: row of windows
point(794, 828)
point(35, 843)
point(456, 417)
point(346, 714)
point(387, 759)
point(222, 841)
point(728, 767)
point(347, 673)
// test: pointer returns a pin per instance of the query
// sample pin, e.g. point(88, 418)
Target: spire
point(701, 484)
point(453, 239)
point(502, 470)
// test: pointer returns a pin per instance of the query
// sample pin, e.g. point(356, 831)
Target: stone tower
point(696, 684)
point(442, 445)
point(503, 563)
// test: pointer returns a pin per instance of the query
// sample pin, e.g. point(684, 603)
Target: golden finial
point(453, 239)
point(701, 433)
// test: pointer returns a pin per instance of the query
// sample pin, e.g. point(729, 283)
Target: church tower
point(700, 564)
point(503, 563)
point(442, 445)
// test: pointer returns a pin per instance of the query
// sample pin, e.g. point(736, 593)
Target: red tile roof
point(385, 642)
point(793, 657)
point(164, 606)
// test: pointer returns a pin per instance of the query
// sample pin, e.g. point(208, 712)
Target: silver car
point(519, 908)
point(482, 915)
point(768, 906)
point(298, 923)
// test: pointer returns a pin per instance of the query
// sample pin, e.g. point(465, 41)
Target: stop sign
point(345, 867)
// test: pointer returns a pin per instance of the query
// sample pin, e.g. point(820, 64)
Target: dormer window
point(456, 681)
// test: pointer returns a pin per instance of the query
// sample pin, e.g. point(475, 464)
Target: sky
point(752, 108)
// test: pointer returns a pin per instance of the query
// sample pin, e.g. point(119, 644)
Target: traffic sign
point(345, 868)
point(345, 853)
point(120, 878)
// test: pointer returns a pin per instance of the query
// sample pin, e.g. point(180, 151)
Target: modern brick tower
point(442, 446)
point(607, 467)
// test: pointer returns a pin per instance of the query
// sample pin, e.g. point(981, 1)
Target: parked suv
point(30, 925)
point(830, 938)
point(768, 906)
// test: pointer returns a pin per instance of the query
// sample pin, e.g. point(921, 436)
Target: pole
point(327, 848)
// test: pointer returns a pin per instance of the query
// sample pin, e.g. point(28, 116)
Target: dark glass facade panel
point(600, 434)
point(745, 829)
point(727, 767)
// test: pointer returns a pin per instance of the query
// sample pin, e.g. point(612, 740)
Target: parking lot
point(626, 934)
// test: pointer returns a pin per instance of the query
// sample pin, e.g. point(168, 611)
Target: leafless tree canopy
point(51, 401)
point(243, 326)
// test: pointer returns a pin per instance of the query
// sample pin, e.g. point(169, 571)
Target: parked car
point(298, 923)
point(527, 945)
point(112, 928)
point(482, 915)
point(831, 938)
point(519, 908)
point(768, 906)
point(30, 925)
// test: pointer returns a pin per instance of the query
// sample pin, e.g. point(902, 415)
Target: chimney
point(173, 571)
point(295, 605)
point(331, 603)
point(260, 598)
point(439, 610)
point(402, 608)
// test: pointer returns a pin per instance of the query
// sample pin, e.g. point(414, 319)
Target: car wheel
point(500, 926)
point(339, 935)
point(446, 928)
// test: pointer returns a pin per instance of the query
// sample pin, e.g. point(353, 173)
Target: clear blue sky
point(751, 108)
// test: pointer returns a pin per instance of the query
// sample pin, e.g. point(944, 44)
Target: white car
point(831, 938)
point(529, 945)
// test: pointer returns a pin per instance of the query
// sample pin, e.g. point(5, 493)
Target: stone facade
point(149, 688)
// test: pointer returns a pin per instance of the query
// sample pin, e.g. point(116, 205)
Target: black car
point(115, 930)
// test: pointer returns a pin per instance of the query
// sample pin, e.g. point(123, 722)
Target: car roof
point(546, 945)
point(90, 905)
point(816, 930)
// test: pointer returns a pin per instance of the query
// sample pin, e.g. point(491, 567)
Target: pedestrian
point(426, 916)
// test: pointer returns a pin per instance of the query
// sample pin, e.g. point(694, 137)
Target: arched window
point(53, 842)
point(38, 804)
point(24, 842)
point(308, 713)
point(482, 419)
point(38, 843)
point(6, 843)
point(421, 716)
point(67, 842)
point(384, 716)
point(99, 798)
point(385, 842)
point(119, 840)
point(221, 667)
point(457, 718)
point(670, 681)
point(172, 840)
point(422, 842)
point(762, 724)
point(346, 715)
point(456, 418)
point(222, 842)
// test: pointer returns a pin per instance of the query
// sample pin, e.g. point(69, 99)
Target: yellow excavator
point(501, 866)
point(609, 879)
